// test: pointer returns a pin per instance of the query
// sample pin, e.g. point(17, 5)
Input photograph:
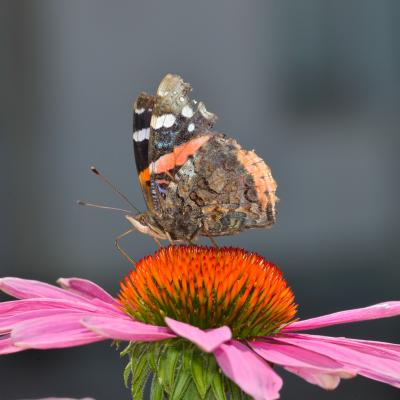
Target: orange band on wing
point(144, 177)
point(264, 183)
point(178, 156)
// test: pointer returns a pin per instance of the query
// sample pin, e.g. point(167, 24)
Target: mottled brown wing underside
point(221, 190)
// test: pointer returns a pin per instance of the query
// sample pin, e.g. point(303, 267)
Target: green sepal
point(199, 369)
point(235, 392)
point(128, 349)
point(140, 375)
point(127, 373)
point(187, 358)
point(153, 355)
point(217, 386)
point(181, 385)
point(178, 370)
point(192, 392)
point(156, 391)
point(167, 367)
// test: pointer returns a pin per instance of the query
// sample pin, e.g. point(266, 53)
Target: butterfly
point(195, 181)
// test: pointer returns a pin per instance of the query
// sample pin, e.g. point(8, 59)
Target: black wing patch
point(176, 119)
point(142, 111)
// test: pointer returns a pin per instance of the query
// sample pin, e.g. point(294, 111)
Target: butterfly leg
point(157, 241)
point(213, 241)
point(169, 238)
point(120, 249)
point(193, 238)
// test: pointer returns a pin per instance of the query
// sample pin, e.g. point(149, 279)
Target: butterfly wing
point(221, 190)
point(227, 189)
point(178, 128)
point(142, 111)
point(202, 182)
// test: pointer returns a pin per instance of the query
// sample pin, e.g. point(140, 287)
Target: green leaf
point(217, 386)
point(157, 392)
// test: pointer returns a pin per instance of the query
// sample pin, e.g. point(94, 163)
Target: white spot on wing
point(166, 120)
point(139, 136)
point(191, 127)
point(139, 111)
point(187, 111)
point(169, 120)
point(157, 122)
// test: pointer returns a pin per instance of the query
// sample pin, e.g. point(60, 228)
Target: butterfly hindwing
point(221, 190)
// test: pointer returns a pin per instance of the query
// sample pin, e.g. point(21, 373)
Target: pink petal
point(7, 346)
point(8, 323)
point(293, 356)
point(16, 306)
point(324, 380)
point(126, 329)
point(208, 340)
point(53, 332)
point(382, 310)
point(380, 349)
point(384, 367)
point(388, 347)
point(87, 289)
point(313, 367)
point(26, 289)
point(13, 312)
point(253, 375)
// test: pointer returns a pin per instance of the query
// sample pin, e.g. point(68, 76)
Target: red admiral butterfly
point(195, 182)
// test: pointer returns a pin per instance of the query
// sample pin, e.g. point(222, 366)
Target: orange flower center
point(208, 288)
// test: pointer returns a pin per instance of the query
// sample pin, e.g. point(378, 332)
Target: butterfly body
point(195, 181)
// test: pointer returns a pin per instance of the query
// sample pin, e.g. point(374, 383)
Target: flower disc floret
point(208, 288)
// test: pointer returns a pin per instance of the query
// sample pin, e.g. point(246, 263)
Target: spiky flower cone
point(206, 288)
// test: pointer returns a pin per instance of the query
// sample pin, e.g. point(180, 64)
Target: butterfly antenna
point(86, 204)
point(115, 190)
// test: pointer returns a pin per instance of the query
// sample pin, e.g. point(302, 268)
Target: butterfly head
point(144, 223)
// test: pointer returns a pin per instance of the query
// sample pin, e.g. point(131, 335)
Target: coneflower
point(202, 323)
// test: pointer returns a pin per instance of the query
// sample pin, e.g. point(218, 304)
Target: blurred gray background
point(313, 86)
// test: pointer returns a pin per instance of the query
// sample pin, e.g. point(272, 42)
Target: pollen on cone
point(208, 288)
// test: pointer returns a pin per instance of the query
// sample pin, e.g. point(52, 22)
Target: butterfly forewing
point(142, 111)
point(179, 127)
